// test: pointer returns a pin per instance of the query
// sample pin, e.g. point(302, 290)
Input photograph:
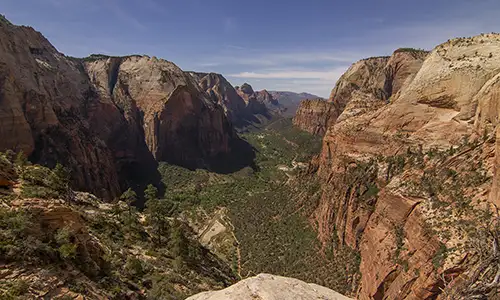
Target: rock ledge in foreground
point(270, 287)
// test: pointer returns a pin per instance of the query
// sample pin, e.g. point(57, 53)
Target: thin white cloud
point(209, 64)
point(292, 74)
point(319, 82)
point(253, 58)
point(235, 47)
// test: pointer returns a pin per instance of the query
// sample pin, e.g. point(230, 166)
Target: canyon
point(388, 191)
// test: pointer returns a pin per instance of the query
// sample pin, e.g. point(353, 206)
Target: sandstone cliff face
point(366, 86)
point(223, 93)
point(106, 118)
point(314, 116)
point(242, 105)
point(181, 123)
point(272, 104)
point(270, 287)
point(385, 168)
point(44, 97)
point(251, 98)
point(380, 76)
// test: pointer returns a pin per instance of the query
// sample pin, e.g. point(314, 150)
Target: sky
point(300, 46)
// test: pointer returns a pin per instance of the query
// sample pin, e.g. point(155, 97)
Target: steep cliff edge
point(223, 93)
point(107, 118)
point(366, 85)
point(314, 116)
point(181, 124)
point(405, 181)
point(46, 110)
point(253, 100)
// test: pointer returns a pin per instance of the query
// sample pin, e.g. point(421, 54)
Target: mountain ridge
point(406, 155)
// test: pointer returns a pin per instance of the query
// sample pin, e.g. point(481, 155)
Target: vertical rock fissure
point(114, 70)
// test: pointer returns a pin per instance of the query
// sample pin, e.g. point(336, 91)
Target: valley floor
point(207, 231)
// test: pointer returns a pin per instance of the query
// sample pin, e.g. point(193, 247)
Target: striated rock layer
point(106, 118)
point(314, 116)
point(366, 85)
point(181, 124)
point(270, 287)
point(393, 114)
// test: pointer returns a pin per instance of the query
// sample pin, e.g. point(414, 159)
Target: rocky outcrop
point(106, 118)
point(265, 97)
point(223, 93)
point(270, 287)
point(254, 104)
point(388, 167)
point(365, 86)
point(314, 116)
point(380, 77)
point(242, 105)
point(181, 124)
point(46, 107)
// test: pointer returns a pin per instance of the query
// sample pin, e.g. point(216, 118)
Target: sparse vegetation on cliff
point(5, 20)
point(109, 249)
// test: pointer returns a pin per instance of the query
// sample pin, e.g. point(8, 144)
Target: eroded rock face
point(181, 124)
point(272, 104)
point(223, 93)
point(366, 86)
point(314, 116)
point(452, 95)
point(106, 118)
point(251, 98)
point(45, 101)
point(270, 287)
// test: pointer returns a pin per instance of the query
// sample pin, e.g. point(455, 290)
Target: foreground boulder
point(270, 287)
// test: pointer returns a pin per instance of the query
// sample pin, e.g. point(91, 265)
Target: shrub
point(133, 268)
point(440, 256)
point(4, 19)
point(67, 249)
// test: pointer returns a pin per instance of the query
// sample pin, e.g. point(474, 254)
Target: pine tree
point(150, 193)
point(179, 246)
point(178, 242)
point(59, 179)
point(157, 213)
point(129, 196)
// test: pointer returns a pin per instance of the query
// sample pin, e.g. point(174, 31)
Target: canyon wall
point(314, 116)
point(410, 158)
point(108, 119)
point(367, 85)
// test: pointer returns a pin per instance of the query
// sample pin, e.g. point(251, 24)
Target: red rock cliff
point(314, 116)
point(366, 85)
point(400, 172)
point(107, 118)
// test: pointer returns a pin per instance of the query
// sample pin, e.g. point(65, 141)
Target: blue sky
point(278, 45)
